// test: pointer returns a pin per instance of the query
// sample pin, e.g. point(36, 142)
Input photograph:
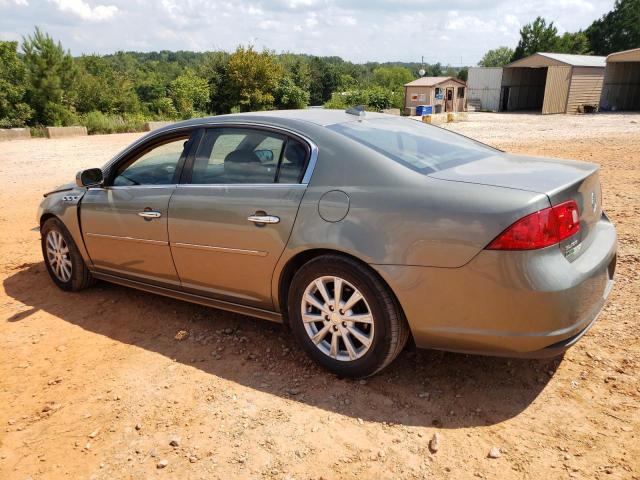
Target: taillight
point(540, 229)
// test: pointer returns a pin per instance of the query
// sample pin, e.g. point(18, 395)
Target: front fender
point(64, 204)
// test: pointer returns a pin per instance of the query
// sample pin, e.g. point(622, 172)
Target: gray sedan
point(358, 231)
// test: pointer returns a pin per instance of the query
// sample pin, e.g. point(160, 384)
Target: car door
point(231, 220)
point(124, 222)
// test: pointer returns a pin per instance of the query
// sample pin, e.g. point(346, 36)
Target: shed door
point(556, 89)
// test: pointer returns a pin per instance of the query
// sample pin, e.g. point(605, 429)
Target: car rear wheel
point(344, 316)
point(62, 257)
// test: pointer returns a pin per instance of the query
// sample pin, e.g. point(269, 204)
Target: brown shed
point(621, 89)
point(552, 83)
point(444, 94)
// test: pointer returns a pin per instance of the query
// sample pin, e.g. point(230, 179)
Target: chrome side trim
point(127, 187)
point(242, 185)
point(255, 253)
point(128, 239)
point(191, 297)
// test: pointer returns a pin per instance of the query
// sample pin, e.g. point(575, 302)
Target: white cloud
point(83, 10)
point(453, 32)
point(17, 3)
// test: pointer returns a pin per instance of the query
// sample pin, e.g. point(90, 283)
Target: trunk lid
point(560, 180)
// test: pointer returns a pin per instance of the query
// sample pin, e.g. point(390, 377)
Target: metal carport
point(621, 89)
point(552, 83)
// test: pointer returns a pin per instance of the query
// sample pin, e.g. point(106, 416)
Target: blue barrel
point(424, 110)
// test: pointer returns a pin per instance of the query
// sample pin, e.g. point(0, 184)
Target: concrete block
point(14, 134)
point(391, 111)
point(148, 126)
point(462, 117)
point(64, 132)
point(434, 118)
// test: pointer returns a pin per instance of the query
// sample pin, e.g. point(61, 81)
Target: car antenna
point(357, 110)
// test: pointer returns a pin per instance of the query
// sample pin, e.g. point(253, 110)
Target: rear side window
point(421, 147)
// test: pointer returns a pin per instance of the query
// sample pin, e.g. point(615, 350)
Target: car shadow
point(420, 388)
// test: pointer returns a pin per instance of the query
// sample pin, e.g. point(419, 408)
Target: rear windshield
point(419, 146)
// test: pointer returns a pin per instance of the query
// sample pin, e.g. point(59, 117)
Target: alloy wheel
point(58, 256)
point(337, 318)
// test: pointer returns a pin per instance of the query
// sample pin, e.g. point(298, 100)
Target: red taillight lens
point(540, 229)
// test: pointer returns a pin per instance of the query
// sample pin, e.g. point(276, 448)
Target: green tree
point(617, 30)
point(463, 74)
point(251, 80)
point(498, 57)
point(50, 77)
point(576, 43)
point(536, 36)
point(288, 95)
point(214, 68)
point(325, 79)
point(99, 87)
point(14, 112)
point(190, 94)
point(392, 77)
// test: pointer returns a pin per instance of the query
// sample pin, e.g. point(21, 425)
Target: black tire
point(390, 332)
point(80, 277)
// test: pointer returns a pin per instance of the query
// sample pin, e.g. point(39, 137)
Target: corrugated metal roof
point(577, 60)
point(565, 58)
point(632, 55)
point(431, 81)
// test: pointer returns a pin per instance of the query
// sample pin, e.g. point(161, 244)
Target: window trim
point(310, 162)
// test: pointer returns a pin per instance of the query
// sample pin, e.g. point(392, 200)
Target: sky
point(454, 32)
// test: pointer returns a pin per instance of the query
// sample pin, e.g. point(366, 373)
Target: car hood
point(62, 188)
point(534, 174)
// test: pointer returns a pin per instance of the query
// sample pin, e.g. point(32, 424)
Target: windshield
point(419, 146)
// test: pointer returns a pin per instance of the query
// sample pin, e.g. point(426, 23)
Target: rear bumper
point(532, 304)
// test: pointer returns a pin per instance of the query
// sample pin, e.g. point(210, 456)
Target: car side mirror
point(265, 156)
point(92, 177)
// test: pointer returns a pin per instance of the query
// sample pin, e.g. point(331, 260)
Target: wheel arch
point(299, 259)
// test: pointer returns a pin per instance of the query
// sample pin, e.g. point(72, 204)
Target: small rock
point(174, 441)
point(94, 434)
point(494, 452)
point(162, 463)
point(293, 391)
point(193, 459)
point(434, 443)
point(181, 335)
point(138, 426)
point(46, 408)
point(423, 395)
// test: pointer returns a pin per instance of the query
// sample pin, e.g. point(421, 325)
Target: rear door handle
point(263, 219)
point(150, 214)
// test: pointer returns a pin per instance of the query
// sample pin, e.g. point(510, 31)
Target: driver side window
point(155, 167)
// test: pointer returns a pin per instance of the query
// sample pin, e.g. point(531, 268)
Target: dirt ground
point(96, 385)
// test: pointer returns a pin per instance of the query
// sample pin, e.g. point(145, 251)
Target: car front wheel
point(345, 317)
point(62, 257)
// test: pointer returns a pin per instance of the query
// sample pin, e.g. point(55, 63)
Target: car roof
point(319, 116)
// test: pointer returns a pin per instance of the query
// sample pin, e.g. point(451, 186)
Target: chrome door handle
point(150, 214)
point(263, 219)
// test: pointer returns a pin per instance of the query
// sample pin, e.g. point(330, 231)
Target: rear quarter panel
point(398, 216)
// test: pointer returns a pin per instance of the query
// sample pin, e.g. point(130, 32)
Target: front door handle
point(150, 214)
point(263, 219)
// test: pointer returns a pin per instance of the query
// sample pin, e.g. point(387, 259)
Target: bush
point(374, 99)
point(98, 122)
